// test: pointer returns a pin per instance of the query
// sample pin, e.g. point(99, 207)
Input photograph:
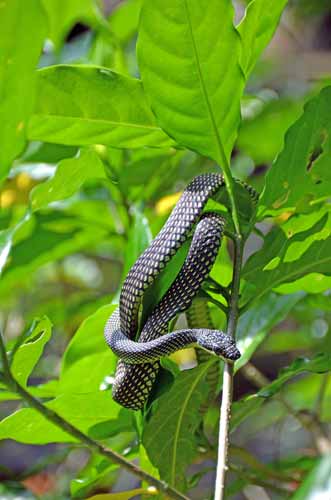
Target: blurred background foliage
point(73, 220)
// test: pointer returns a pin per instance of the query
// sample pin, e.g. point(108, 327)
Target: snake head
point(218, 343)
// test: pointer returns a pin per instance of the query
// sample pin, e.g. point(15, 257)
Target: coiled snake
point(139, 358)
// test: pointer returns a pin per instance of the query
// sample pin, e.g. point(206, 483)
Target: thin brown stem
point(63, 424)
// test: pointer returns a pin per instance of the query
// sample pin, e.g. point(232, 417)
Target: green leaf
point(301, 175)
point(88, 339)
point(64, 14)
point(318, 483)
point(320, 364)
point(51, 237)
point(28, 426)
point(139, 238)
point(272, 120)
point(255, 324)
point(190, 71)
point(95, 470)
point(21, 40)
point(125, 495)
point(29, 352)
point(283, 260)
point(124, 19)
point(91, 105)
point(81, 410)
point(168, 434)
point(250, 404)
point(69, 177)
point(257, 28)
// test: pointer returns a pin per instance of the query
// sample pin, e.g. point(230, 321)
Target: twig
point(309, 422)
point(223, 439)
point(63, 424)
point(205, 296)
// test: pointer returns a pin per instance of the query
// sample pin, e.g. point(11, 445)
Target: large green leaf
point(285, 259)
point(190, 70)
point(168, 434)
point(255, 324)
point(69, 177)
point(82, 410)
point(317, 486)
point(29, 352)
point(23, 29)
point(63, 14)
point(257, 28)
point(88, 339)
point(91, 105)
point(272, 120)
point(301, 174)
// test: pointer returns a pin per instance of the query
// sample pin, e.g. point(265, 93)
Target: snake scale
point(140, 354)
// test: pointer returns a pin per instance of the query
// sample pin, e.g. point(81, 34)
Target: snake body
point(139, 357)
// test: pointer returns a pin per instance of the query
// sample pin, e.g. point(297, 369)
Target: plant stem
point(63, 424)
point(223, 439)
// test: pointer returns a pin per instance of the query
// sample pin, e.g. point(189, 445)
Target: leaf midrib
point(179, 421)
point(95, 120)
point(219, 144)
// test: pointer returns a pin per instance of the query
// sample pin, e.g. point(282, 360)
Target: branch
point(223, 439)
point(60, 422)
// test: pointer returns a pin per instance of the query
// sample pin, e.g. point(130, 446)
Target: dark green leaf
point(190, 70)
point(23, 29)
point(320, 364)
point(168, 434)
point(91, 105)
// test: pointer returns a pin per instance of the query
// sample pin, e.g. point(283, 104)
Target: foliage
point(96, 146)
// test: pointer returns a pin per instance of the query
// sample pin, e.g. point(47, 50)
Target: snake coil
point(139, 357)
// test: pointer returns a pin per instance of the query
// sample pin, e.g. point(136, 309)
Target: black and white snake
point(139, 357)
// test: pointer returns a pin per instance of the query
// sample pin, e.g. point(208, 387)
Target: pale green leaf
point(300, 175)
point(93, 105)
point(256, 323)
point(68, 178)
point(64, 14)
point(23, 29)
point(81, 410)
point(285, 259)
point(257, 28)
point(29, 352)
point(188, 53)
point(50, 237)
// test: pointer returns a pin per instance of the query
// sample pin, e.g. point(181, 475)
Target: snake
point(140, 347)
